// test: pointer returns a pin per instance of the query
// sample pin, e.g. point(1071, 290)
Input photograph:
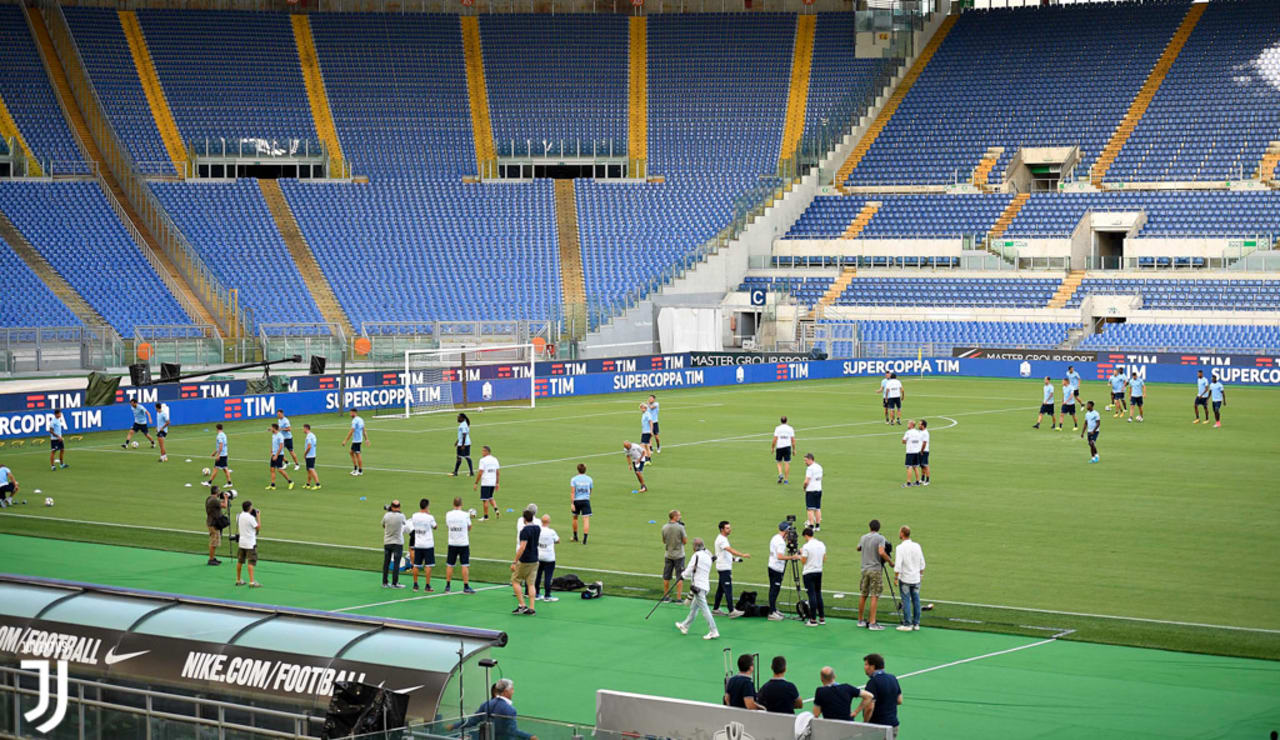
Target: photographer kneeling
point(249, 522)
point(215, 516)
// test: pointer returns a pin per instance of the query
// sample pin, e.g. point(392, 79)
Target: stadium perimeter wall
point(207, 403)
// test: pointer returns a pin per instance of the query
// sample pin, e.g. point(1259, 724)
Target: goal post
point(472, 378)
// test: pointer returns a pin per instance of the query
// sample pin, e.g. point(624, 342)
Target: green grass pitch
point(1169, 542)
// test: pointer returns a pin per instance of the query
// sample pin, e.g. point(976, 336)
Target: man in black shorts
point(1070, 394)
point(458, 524)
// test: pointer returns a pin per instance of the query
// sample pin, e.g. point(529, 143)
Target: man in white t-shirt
point(814, 554)
point(458, 523)
point(813, 491)
point(248, 523)
point(914, 442)
point(884, 396)
point(922, 428)
point(547, 539)
point(909, 570)
point(424, 543)
point(893, 395)
point(635, 460)
point(778, 558)
point(784, 439)
point(487, 481)
point(724, 554)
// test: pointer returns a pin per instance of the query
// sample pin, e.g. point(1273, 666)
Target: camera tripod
point(801, 612)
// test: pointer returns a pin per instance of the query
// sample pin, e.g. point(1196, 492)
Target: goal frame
point(462, 352)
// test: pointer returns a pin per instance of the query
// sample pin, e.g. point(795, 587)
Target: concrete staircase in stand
point(868, 212)
point(573, 288)
point(43, 270)
point(1066, 289)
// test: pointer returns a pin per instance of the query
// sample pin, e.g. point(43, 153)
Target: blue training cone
point(651, 521)
point(363, 498)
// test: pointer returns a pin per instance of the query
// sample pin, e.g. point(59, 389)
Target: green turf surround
point(1034, 687)
point(1175, 527)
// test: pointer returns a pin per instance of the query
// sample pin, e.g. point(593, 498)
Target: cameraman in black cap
point(782, 547)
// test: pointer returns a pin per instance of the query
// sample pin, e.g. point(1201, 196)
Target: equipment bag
point(593, 591)
point(569, 582)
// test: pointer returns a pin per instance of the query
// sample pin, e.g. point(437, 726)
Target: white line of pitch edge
point(416, 598)
point(560, 566)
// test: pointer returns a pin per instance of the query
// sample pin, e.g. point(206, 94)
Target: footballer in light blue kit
point(141, 421)
point(653, 411)
point(57, 446)
point(277, 457)
point(1070, 395)
point(462, 447)
point(1202, 397)
point(1118, 381)
point(286, 429)
point(162, 429)
point(1218, 396)
point(646, 431)
point(220, 454)
point(580, 487)
point(8, 486)
point(1046, 406)
point(358, 438)
point(1073, 378)
point(1137, 395)
point(1092, 426)
point(309, 454)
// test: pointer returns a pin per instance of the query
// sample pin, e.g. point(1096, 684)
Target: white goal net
point(444, 379)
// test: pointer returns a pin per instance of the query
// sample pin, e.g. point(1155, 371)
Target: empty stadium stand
point(931, 291)
point(947, 334)
point(30, 302)
point(1169, 213)
point(1058, 76)
point(76, 230)
point(901, 216)
point(1225, 338)
point(1199, 294)
point(229, 225)
point(1218, 107)
point(30, 100)
point(806, 290)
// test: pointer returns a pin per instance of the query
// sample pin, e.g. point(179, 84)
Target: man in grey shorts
point(673, 539)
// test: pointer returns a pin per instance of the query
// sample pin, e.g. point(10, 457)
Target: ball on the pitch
point(472, 512)
point(48, 501)
point(135, 444)
point(1108, 407)
point(204, 471)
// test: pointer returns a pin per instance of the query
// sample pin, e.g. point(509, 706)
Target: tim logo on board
point(41, 667)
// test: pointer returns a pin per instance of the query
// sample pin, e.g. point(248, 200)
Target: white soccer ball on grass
point(204, 471)
point(48, 501)
point(135, 444)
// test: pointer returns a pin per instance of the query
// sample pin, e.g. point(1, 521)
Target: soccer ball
point(472, 512)
point(135, 444)
point(1108, 407)
point(204, 471)
point(48, 501)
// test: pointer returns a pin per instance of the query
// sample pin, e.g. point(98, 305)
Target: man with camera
point(249, 522)
point(875, 553)
point(215, 507)
point(393, 526)
point(782, 547)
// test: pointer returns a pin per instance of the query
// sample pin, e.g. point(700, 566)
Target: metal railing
point(195, 345)
point(222, 303)
point(53, 348)
point(97, 709)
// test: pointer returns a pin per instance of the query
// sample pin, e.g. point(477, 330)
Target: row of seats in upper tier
point(943, 334)
point(1223, 338)
point(27, 94)
point(931, 291)
point(1187, 294)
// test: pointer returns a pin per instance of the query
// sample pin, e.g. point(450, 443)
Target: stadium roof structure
point(280, 656)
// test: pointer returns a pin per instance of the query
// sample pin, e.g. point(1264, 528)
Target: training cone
point(188, 459)
point(363, 498)
point(188, 485)
point(38, 491)
point(510, 510)
point(651, 521)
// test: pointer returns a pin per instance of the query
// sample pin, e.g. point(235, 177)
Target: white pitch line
point(418, 598)
point(984, 656)
point(559, 565)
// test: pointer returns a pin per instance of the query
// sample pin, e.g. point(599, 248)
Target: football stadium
point(581, 368)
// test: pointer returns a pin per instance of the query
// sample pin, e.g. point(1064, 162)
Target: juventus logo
point(733, 731)
point(42, 704)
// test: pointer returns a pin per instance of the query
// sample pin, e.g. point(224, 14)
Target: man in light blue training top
point(277, 457)
point(57, 446)
point(141, 420)
point(1046, 405)
point(1218, 395)
point(646, 431)
point(356, 436)
point(580, 505)
point(8, 486)
point(1118, 381)
point(309, 454)
point(1073, 378)
point(1092, 425)
point(219, 459)
point(1070, 395)
point(286, 429)
point(653, 411)
point(1137, 394)
point(162, 429)
point(1202, 397)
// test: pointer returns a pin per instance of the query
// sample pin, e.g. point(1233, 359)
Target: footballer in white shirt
point(922, 429)
point(784, 440)
point(893, 395)
point(813, 491)
point(487, 480)
point(458, 524)
point(424, 542)
point(914, 442)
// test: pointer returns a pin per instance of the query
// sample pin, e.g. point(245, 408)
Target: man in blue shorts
point(580, 487)
point(646, 431)
point(1092, 426)
point(1118, 381)
point(653, 412)
point(1202, 397)
point(1137, 395)
point(1217, 396)
point(309, 454)
point(141, 421)
point(1046, 405)
point(358, 439)
point(1070, 394)
point(162, 429)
